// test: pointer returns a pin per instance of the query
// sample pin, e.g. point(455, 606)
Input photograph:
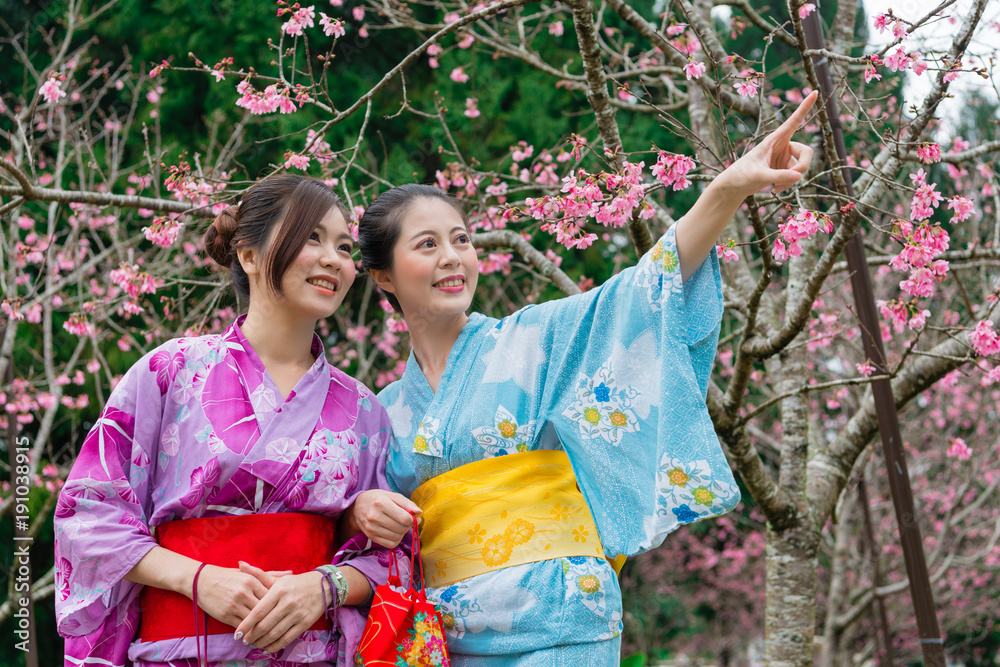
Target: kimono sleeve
point(623, 374)
point(370, 559)
point(101, 517)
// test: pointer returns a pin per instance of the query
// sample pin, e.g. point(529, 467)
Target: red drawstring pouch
point(403, 628)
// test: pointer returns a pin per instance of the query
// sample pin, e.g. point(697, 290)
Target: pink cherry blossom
point(919, 319)
point(556, 28)
point(11, 308)
point(959, 450)
point(929, 153)
point(925, 200)
point(963, 208)
point(458, 75)
point(52, 90)
point(801, 226)
point(471, 110)
point(727, 252)
point(163, 232)
point(984, 339)
point(522, 151)
point(694, 69)
point(866, 369)
point(806, 9)
point(301, 18)
point(748, 87)
point(78, 325)
point(898, 60)
point(331, 27)
point(132, 280)
point(495, 262)
point(672, 170)
point(296, 160)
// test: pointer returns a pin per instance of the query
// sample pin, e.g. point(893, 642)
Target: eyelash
point(462, 238)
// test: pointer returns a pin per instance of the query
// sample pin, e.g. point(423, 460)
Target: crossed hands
point(272, 608)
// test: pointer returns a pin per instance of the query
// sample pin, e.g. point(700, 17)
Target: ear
point(249, 259)
point(383, 280)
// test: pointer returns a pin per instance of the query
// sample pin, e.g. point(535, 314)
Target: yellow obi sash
point(503, 511)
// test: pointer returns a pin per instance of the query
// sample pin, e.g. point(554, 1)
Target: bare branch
point(604, 111)
point(758, 20)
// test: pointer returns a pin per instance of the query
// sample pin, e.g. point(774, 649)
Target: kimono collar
point(435, 405)
point(235, 335)
point(414, 376)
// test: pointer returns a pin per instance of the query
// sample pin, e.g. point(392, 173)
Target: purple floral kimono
point(198, 428)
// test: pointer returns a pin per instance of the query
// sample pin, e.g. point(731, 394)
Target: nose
point(331, 257)
point(449, 255)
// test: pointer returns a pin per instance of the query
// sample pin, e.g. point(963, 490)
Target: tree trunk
point(833, 641)
point(791, 553)
point(791, 596)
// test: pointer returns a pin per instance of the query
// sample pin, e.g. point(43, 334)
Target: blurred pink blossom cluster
point(921, 244)
point(801, 226)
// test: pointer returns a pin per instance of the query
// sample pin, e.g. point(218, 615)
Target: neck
point(278, 340)
point(433, 339)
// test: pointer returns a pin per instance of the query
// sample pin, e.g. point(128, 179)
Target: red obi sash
point(293, 541)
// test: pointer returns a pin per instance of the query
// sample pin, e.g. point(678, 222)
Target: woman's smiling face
point(435, 268)
point(315, 283)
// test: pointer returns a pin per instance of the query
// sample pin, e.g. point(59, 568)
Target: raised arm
point(776, 161)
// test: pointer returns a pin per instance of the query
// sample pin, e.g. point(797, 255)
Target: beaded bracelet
point(335, 578)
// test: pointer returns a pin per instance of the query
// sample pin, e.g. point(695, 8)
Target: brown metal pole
point(931, 641)
point(877, 602)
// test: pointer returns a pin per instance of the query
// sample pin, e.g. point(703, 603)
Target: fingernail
point(238, 636)
point(246, 643)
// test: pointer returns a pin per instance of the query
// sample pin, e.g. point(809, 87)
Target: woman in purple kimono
point(213, 490)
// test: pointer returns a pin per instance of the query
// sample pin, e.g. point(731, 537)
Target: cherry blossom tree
point(101, 222)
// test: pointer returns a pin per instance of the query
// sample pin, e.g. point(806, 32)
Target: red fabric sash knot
point(293, 541)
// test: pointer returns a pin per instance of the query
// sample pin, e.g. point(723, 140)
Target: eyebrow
point(338, 237)
point(456, 228)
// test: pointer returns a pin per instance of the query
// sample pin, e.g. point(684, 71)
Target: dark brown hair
point(379, 227)
point(295, 203)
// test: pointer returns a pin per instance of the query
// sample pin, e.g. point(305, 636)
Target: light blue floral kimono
point(617, 378)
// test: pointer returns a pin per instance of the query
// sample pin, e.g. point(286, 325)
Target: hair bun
point(219, 237)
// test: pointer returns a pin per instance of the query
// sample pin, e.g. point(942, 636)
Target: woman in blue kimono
point(545, 447)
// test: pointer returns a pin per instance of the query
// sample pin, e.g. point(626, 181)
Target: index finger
point(398, 514)
point(256, 615)
point(407, 504)
point(798, 117)
point(262, 580)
